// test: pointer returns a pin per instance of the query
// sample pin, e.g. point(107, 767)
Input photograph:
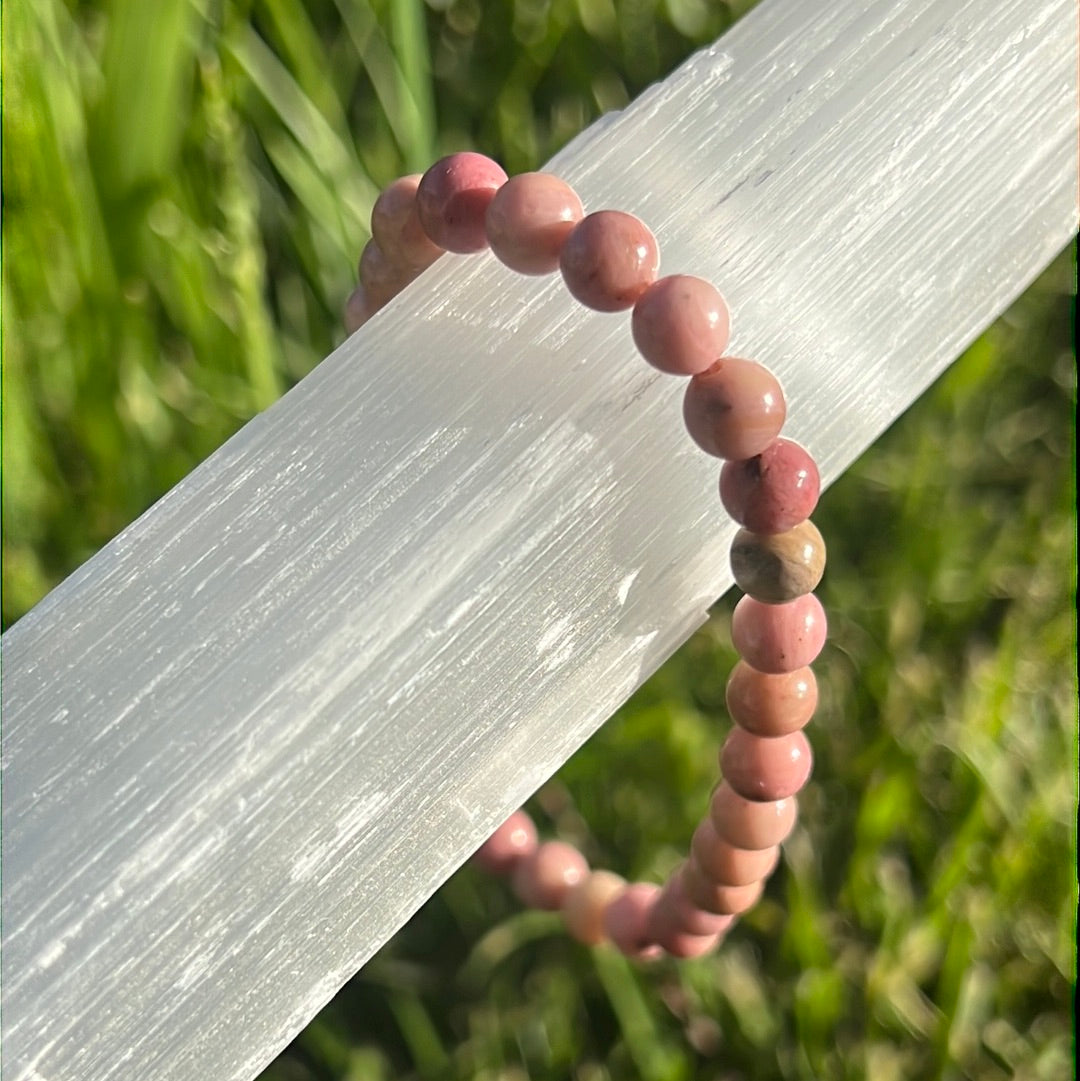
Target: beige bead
point(778, 567)
point(584, 905)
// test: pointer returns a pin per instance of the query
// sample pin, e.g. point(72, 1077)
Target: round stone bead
point(665, 929)
point(777, 638)
point(512, 842)
point(584, 904)
point(396, 228)
point(358, 309)
point(681, 324)
point(721, 900)
point(771, 705)
point(626, 920)
point(609, 259)
point(727, 865)
point(734, 409)
point(543, 879)
point(684, 914)
point(746, 823)
point(529, 219)
point(773, 491)
point(453, 197)
point(382, 280)
point(778, 567)
point(766, 769)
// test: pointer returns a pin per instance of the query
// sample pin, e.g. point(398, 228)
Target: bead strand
point(733, 409)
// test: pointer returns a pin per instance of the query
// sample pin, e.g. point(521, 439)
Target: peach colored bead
point(766, 769)
point(543, 879)
point(727, 865)
point(681, 324)
point(771, 705)
point(665, 929)
point(584, 904)
point(609, 259)
point(626, 919)
point(529, 219)
point(453, 197)
point(778, 567)
point(773, 491)
point(735, 409)
point(358, 310)
point(722, 900)
point(396, 228)
point(747, 823)
point(381, 279)
point(512, 842)
point(684, 915)
point(778, 638)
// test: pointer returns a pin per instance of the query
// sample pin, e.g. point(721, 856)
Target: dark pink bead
point(358, 310)
point(750, 824)
point(773, 491)
point(766, 769)
point(529, 220)
point(771, 705)
point(626, 921)
point(396, 228)
point(543, 879)
point(735, 409)
point(726, 865)
point(453, 197)
point(681, 324)
point(382, 280)
point(684, 914)
point(778, 638)
point(609, 259)
point(508, 845)
point(715, 898)
point(665, 929)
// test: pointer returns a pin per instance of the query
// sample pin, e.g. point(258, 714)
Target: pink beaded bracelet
point(734, 409)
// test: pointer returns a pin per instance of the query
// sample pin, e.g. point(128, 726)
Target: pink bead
point(681, 324)
point(771, 705)
point(396, 228)
point(722, 900)
point(726, 865)
point(529, 220)
point(626, 920)
point(453, 197)
point(664, 929)
point(584, 905)
point(609, 259)
point(358, 310)
point(512, 842)
point(381, 279)
point(773, 491)
point(766, 769)
point(684, 915)
point(542, 879)
point(778, 638)
point(735, 409)
point(747, 823)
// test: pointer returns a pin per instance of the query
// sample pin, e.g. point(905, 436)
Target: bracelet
point(733, 409)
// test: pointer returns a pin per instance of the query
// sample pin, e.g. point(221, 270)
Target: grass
point(186, 190)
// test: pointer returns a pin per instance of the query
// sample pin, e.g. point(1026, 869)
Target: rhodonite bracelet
point(734, 410)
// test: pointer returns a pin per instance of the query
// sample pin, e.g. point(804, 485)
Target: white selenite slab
point(246, 741)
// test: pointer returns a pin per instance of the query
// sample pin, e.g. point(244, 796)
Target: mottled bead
point(766, 769)
point(609, 259)
point(773, 491)
point(529, 219)
point(358, 310)
point(453, 197)
point(626, 920)
point(727, 865)
point(396, 228)
point(778, 567)
point(584, 904)
point(542, 879)
point(771, 705)
point(751, 824)
point(382, 280)
point(711, 897)
point(734, 409)
point(777, 638)
point(681, 324)
point(512, 842)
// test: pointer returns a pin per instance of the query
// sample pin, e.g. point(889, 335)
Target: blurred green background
point(187, 185)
